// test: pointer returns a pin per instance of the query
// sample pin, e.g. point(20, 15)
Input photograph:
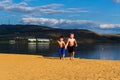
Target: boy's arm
point(76, 43)
point(58, 41)
point(66, 44)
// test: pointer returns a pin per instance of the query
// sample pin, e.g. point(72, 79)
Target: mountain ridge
point(83, 35)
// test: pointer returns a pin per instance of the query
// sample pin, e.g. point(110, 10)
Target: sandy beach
point(30, 67)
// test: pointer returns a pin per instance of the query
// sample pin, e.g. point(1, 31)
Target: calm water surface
point(87, 51)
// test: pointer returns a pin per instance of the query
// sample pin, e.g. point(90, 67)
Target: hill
point(30, 31)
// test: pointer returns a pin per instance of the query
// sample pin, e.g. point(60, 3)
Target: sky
point(102, 16)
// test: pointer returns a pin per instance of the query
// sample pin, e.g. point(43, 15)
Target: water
point(87, 51)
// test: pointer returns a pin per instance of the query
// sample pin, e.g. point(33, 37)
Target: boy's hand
point(57, 41)
point(65, 47)
point(76, 45)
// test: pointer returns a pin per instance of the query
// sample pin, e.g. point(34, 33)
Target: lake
point(87, 51)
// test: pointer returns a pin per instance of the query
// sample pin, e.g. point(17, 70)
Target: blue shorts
point(61, 51)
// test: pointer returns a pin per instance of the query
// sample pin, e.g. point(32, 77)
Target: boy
point(61, 44)
point(71, 43)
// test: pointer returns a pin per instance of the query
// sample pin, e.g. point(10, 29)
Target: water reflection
point(87, 51)
point(109, 51)
point(43, 46)
point(32, 47)
point(38, 47)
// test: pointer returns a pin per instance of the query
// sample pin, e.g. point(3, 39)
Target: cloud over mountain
point(108, 26)
point(70, 16)
point(60, 23)
point(63, 23)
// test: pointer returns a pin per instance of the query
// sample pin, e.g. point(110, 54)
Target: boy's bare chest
point(71, 40)
point(61, 43)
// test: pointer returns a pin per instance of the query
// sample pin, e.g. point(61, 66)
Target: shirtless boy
point(61, 44)
point(71, 44)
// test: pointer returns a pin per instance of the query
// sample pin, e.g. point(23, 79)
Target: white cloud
point(40, 21)
point(23, 7)
point(107, 26)
point(117, 1)
point(63, 23)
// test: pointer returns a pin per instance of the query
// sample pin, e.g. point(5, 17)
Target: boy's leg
point(70, 56)
point(63, 53)
point(59, 52)
point(73, 53)
point(62, 56)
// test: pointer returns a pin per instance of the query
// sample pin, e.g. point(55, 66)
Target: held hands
point(58, 41)
point(76, 45)
point(65, 47)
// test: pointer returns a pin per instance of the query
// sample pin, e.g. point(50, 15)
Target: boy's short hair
point(61, 37)
point(71, 33)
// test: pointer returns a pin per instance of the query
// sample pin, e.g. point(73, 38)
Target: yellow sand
point(29, 67)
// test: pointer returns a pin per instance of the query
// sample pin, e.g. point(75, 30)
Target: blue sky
point(98, 14)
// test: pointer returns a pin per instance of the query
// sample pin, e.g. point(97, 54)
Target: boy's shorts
point(61, 51)
point(71, 49)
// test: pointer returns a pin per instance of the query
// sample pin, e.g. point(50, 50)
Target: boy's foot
point(72, 58)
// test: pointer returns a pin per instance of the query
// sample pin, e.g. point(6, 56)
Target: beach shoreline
point(34, 67)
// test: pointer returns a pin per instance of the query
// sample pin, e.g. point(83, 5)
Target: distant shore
point(32, 67)
point(21, 33)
